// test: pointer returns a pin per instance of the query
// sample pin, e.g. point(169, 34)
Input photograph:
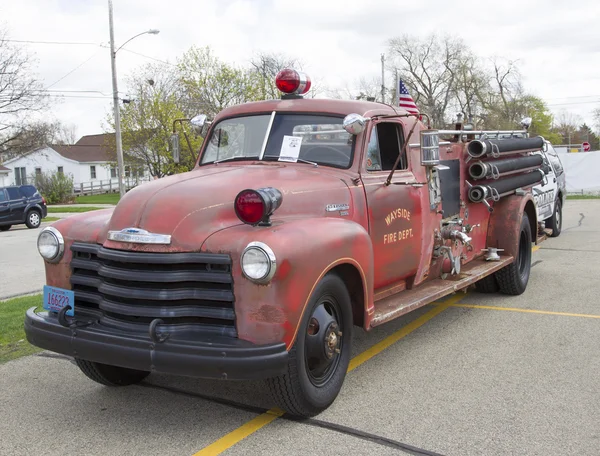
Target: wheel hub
point(332, 338)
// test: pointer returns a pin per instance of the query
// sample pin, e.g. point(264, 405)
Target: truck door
point(395, 212)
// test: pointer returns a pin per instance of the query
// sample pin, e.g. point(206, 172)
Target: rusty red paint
point(388, 233)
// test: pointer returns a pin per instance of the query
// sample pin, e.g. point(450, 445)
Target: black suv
point(22, 204)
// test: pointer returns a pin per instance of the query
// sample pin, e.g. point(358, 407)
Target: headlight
point(51, 244)
point(258, 262)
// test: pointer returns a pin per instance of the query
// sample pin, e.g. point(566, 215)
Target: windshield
point(293, 137)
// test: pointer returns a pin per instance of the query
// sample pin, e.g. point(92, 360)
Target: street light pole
point(113, 64)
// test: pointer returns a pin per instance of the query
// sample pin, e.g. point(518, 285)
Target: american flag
point(405, 100)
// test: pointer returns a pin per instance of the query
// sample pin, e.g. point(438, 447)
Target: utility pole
point(382, 78)
point(113, 63)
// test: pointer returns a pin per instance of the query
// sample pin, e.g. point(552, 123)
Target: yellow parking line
point(514, 309)
point(260, 421)
point(240, 433)
point(535, 248)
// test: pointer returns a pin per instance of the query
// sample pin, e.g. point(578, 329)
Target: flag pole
point(397, 100)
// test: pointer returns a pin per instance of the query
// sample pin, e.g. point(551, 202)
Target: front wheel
point(555, 222)
point(512, 279)
point(110, 375)
point(319, 358)
point(5, 227)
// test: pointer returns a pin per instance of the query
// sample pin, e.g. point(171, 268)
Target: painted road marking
point(514, 309)
point(271, 415)
point(227, 441)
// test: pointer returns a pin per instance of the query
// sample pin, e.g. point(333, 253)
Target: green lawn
point(13, 343)
point(582, 197)
point(107, 198)
point(65, 209)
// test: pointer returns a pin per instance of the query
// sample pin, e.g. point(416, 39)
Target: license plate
point(57, 298)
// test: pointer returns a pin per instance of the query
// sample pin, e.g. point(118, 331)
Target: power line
point(73, 70)
point(52, 42)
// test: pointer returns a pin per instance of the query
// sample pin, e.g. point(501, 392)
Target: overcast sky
point(557, 43)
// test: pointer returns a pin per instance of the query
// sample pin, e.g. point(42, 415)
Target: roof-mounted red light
point(293, 82)
point(255, 207)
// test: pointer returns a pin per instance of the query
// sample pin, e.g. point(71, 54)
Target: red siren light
point(292, 82)
point(255, 207)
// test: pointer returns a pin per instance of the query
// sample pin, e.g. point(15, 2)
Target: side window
point(13, 193)
point(384, 146)
point(553, 158)
point(2, 195)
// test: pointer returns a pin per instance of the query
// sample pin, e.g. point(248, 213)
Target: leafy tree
point(212, 85)
point(155, 102)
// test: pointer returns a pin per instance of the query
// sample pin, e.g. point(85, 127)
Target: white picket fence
point(108, 186)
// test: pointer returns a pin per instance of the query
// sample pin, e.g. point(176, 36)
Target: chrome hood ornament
point(139, 236)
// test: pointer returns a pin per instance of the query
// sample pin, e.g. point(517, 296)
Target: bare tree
point(266, 66)
point(567, 125)
point(428, 68)
point(20, 95)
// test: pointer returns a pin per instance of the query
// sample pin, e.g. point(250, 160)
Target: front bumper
point(209, 357)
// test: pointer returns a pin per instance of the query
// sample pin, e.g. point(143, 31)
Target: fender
point(305, 250)
point(505, 222)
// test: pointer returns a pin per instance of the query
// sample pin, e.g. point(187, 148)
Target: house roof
point(4, 168)
point(90, 148)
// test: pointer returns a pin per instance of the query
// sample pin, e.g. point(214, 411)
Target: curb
point(20, 295)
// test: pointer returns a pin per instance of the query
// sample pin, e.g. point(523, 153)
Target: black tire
point(5, 227)
point(513, 278)
point(555, 222)
point(33, 219)
point(299, 392)
point(110, 375)
point(488, 284)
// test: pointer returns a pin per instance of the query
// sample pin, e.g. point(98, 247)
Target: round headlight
point(51, 244)
point(258, 262)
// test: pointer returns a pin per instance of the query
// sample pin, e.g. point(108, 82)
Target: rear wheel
point(319, 358)
point(5, 227)
point(33, 219)
point(110, 375)
point(488, 284)
point(512, 279)
point(555, 222)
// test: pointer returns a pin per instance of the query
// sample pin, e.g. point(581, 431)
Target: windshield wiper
point(298, 159)
point(233, 158)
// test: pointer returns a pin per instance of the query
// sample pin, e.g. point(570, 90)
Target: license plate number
point(57, 298)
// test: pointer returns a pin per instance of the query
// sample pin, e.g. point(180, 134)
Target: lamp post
point(113, 55)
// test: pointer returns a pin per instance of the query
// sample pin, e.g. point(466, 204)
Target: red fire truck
point(302, 220)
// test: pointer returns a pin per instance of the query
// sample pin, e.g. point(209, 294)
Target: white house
point(4, 176)
point(90, 161)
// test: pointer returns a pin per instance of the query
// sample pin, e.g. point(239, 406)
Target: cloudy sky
point(557, 43)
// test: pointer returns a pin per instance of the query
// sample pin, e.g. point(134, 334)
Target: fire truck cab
point(303, 220)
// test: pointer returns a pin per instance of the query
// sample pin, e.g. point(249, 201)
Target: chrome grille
point(187, 290)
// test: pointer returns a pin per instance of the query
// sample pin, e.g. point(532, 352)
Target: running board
point(406, 301)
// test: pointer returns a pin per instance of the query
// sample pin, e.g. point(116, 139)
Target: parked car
point(550, 196)
point(22, 204)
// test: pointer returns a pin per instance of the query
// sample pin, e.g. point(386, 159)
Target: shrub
point(56, 187)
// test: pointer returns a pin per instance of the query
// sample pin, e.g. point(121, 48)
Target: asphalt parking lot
point(478, 374)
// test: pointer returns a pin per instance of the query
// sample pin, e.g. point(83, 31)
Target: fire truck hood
point(193, 205)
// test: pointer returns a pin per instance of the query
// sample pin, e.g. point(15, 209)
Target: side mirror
point(200, 124)
point(175, 147)
point(354, 123)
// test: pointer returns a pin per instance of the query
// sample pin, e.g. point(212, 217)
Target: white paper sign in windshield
point(290, 149)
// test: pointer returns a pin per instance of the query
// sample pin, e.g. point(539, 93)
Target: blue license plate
point(57, 298)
